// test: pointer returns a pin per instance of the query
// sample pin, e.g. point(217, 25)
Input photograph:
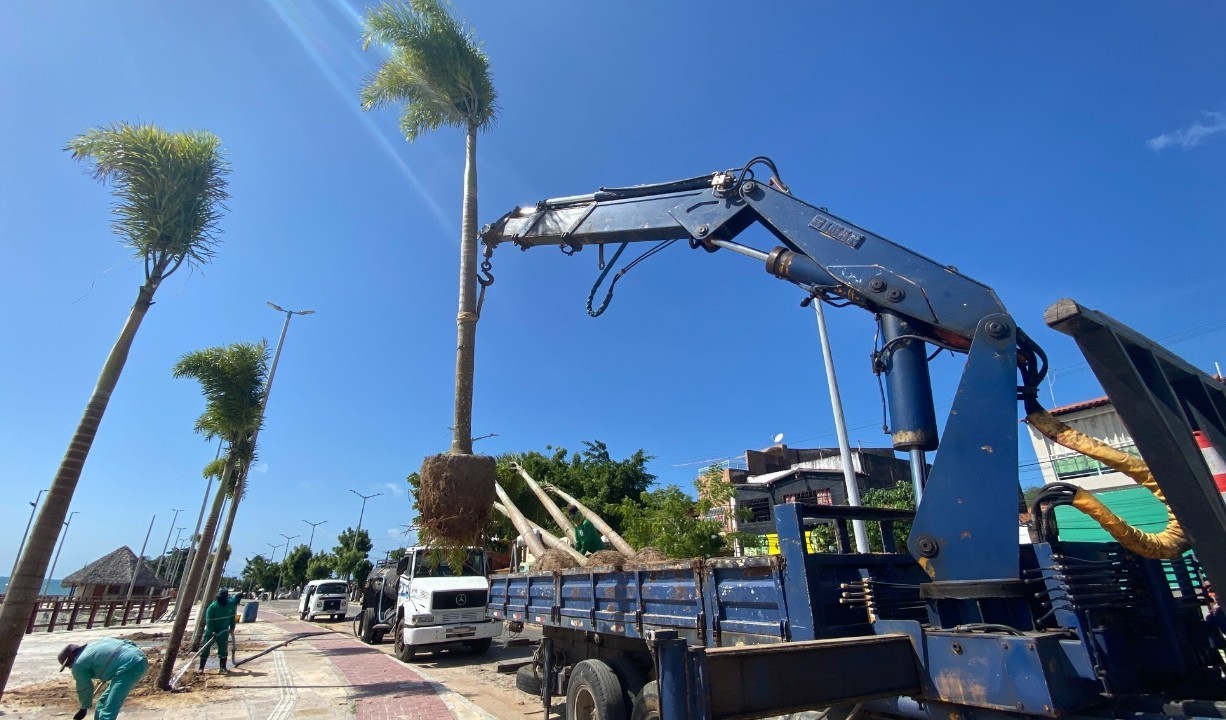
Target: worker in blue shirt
point(118, 662)
point(218, 622)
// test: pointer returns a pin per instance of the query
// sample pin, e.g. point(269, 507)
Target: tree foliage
point(260, 574)
point(591, 475)
point(350, 552)
point(320, 566)
point(294, 566)
point(901, 497)
point(676, 524)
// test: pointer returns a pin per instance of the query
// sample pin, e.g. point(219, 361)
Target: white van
point(324, 597)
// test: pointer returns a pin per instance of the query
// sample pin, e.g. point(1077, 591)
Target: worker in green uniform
point(218, 622)
point(118, 662)
point(587, 537)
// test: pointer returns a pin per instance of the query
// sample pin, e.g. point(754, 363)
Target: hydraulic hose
point(1165, 545)
point(283, 643)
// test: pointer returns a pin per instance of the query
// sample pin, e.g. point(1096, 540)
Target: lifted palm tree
point(605, 528)
point(232, 379)
point(236, 491)
point(170, 189)
point(438, 72)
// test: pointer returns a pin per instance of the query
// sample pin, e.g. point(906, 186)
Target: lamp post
point(311, 543)
point(22, 546)
point(273, 560)
point(281, 575)
point(174, 568)
point(63, 535)
point(140, 559)
point(166, 544)
point(354, 544)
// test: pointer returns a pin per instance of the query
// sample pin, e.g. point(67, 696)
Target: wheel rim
point(585, 704)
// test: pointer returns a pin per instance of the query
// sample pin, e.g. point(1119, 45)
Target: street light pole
point(63, 535)
point(166, 544)
point(281, 576)
point(174, 567)
point(140, 558)
point(353, 545)
point(311, 543)
point(22, 546)
point(273, 561)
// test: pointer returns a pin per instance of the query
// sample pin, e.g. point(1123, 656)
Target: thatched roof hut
point(109, 576)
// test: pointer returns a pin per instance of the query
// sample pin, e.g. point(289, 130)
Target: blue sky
point(1048, 150)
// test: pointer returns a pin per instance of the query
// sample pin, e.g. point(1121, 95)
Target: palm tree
point(170, 190)
point(438, 72)
point(232, 380)
point(236, 491)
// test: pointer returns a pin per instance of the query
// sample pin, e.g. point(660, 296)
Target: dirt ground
point(192, 690)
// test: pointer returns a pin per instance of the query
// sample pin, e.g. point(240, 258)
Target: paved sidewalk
point(331, 675)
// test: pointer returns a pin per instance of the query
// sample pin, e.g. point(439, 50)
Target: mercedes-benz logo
point(461, 599)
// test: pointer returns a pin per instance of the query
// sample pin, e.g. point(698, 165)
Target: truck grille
point(470, 615)
point(459, 599)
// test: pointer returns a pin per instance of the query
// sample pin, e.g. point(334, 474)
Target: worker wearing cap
point(218, 621)
point(118, 662)
point(587, 538)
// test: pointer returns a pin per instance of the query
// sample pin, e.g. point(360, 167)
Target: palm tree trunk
point(22, 594)
point(605, 529)
point(522, 526)
point(466, 318)
point(194, 574)
point(554, 511)
point(548, 538)
point(213, 579)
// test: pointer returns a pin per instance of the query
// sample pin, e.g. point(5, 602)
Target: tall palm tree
point(236, 491)
point(232, 380)
point(437, 71)
point(170, 190)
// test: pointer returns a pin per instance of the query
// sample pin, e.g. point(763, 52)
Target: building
point(108, 577)
point(1098, 419)
point(781, 474)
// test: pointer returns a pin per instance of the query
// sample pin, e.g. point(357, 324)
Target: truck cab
point(435, 604)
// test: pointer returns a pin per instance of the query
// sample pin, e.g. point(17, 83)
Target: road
point(473, 676)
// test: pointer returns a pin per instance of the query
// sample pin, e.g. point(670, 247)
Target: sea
point(53, 589)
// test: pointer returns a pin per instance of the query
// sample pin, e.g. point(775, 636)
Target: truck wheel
point(594, 693)
point(368, 626)
point(528, 681)
point(302, 615)
point(481, 646)
point(630, 677)
point(404, 651)
point(378, 638)
point(647, 703)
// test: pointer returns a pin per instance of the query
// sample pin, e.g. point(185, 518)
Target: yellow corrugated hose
point(1166, 545)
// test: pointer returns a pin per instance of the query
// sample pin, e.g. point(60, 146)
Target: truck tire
point(368, 626)
point(404, 651)
point(647, 703)
point(378, 638)
point(481, 646)
point(527, 680)
point(594, 693)
point(630, 677)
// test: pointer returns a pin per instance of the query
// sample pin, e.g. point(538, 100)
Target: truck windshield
point(434, 564)
point(336, 588)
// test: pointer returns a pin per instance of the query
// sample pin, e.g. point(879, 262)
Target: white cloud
point(260, 468)
point(394, 532)
point(394, 488)
point(1191, 136)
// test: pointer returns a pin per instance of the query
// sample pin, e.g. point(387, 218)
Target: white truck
point(426, 604)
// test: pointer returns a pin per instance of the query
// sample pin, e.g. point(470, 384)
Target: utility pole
point(22, 546)
point(63, 535)
point(311, 543)
point(166, 544)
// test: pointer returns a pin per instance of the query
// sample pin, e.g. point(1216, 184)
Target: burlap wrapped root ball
point(455, 497)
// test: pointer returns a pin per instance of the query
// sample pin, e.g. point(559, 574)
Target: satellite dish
point(779, 438)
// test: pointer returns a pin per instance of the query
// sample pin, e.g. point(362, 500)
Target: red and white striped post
point(1213, 458)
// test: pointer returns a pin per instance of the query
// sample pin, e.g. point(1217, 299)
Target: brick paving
point(383, 687)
